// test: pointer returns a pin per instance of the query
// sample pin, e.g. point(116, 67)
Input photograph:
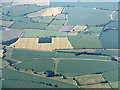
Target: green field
point(112, 75)
point(43, 19)
point(86, 16)
point(58, 22)
point(85, 41)
point(72, 55)
point(29, 55)
point(61, 16)
point(22, 10)
point(108, 52)
point(109, 39)
point(18, 18)
point(15, 79)
point(38, 65)
point(42, 33)
point(84, 66)
point(29, 25)
point(6, 23)
point(115, 84)
point(53, 27)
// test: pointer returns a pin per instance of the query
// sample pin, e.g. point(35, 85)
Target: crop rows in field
point(84, 66)
point(15, 79)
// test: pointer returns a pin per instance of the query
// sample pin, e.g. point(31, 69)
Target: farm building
point(37, 2)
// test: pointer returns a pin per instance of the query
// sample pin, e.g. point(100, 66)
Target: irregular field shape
point(25, 81)
point(86, 16)
point(109, 39)
point(32, 43)
point(81, 66)
point(47, 12)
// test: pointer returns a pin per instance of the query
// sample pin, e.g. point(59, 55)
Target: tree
point(49, 73)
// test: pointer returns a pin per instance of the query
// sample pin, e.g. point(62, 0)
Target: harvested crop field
point(102, 85)
point(32, 43)
point(79, 28)
point(89, 79)
point(47, 12)
point(1, 53)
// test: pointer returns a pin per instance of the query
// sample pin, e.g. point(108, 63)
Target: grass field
point(61, 16)
point(85, 41)
point(42, 33)
point(109, 39)
point(112, 75)
point(22, 10)
point(16, 18)
point(72, 55)
point(53, 27)
point(43, 19)
point(58, 22)
point(6, 23)
point(38, 65)
point(29, 55)
point(108, 52)
point(86, 16)
point(29, 25)
point(15, 79)
point(115, 84)
point(84, 66)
